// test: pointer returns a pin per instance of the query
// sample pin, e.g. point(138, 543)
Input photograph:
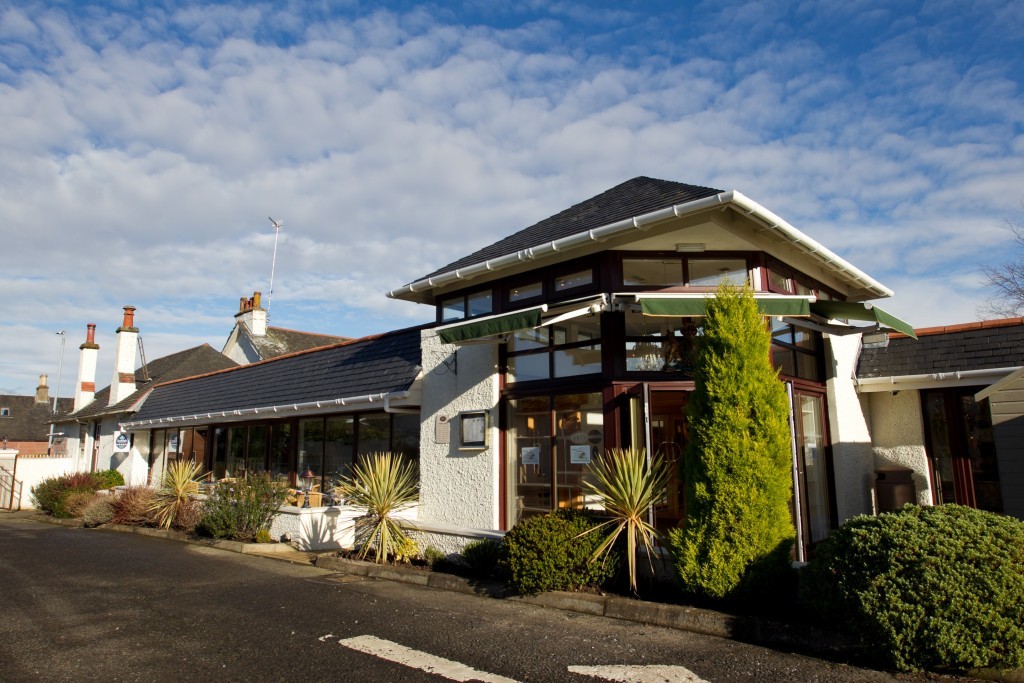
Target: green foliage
point(738, 483)
point(433, 555)
point(263, 536)
point(108, 479)
point(178, 485)
point(132, 506)
point(627, 486)
point(406, 550)
point(98, 511)
point(926, 588)
point(484, 557)
point(238, 509)
point(51, 495)
point(554, 552)
point(383, 484)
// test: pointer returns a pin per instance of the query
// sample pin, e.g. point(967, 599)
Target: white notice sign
point(530, 455)
point(579, 455)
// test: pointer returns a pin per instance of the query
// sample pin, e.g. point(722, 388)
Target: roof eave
point(420, 290)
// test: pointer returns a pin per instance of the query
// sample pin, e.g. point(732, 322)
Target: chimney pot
point(129, 317)
point(256, 299)
point(90, 333)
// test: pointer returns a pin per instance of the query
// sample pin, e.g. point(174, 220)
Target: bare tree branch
point(1007, 279)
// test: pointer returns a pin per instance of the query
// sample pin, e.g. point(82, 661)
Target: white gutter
point(644, 222)
point(278, 411)
point(947, 379)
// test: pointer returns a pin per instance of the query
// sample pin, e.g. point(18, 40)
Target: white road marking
point(414, 659)
point(652, 673)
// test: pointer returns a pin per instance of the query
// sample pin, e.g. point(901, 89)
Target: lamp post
point(56, 390)
point(307, 478)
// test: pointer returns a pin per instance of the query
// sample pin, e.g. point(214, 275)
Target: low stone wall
point(321, 528)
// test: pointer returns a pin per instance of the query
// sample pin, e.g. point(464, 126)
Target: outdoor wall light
point(307, 478)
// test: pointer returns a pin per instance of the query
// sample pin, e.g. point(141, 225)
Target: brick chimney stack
point(85, 387)
point(122, 385)
point(253, 315)
point(42, 391)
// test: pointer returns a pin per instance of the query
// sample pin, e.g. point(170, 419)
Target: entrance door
point(669, 436)
point(812, 466)
point(961, 451)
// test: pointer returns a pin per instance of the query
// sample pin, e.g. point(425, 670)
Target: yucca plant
point(383, 483)
point(627, 486)
point(173, 496)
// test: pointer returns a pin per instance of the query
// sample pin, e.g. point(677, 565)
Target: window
point(656, 344)
point(551, 440)
point(712, 272)
point(565, 350)
point(797, 351)
point(652, 272)
point(5, 412)
point(466, 305)
point(530, 290)
point(572, 280)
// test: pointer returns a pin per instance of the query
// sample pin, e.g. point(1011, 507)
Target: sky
point(144, 145)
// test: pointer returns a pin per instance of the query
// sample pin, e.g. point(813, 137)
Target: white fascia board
point(935, 380)
point(417, 290)
point(332, 405)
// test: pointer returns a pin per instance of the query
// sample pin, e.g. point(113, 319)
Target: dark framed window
point(662, 345)
point(797, 351)
point(658, 271)
point(566, 349)
point(465, 305)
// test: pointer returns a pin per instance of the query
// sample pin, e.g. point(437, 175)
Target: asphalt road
point(94, 605)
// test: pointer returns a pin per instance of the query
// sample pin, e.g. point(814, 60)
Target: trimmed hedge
point(925, 588)
point(547, 553)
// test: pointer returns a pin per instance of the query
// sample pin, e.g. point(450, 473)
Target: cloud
point(144, 149)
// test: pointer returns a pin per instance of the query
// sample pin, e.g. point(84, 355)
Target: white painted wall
point(852, 456)
point(323, 528)
point(897, 433)
point(30, 470)
point(458, 487)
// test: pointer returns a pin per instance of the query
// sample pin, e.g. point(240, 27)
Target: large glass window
point(712, 272)
point(797, 351)
point(256, 453)
point(374, 433)
point(405, 435)
point(810, 443)
point(567, 349)
point(339, 449)
point(580, 278)
point(652, 272)
point(311, 446)
point(236, 452)
point(530, 290)
point(551, 440)
point(280, 445)
point(657, 344)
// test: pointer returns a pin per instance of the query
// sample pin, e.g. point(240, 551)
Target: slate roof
point(280, 341)
point(188, 363)
point(28, 420)
point(632, 198)
point(383, 363)
point(973, 346)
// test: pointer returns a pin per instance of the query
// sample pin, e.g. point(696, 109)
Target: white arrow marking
point(414, 659)
point(653, 673)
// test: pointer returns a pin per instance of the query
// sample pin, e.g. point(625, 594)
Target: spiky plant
point(627, 486)
point(173, 496)
point(383, 483)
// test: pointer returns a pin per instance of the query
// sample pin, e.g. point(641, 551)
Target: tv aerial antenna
point(277, 233)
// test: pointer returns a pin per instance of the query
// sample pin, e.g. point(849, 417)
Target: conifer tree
point(738, 530)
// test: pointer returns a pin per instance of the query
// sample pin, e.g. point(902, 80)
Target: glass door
point(812, 466)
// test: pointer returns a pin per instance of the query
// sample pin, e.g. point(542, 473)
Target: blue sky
point(144, 144)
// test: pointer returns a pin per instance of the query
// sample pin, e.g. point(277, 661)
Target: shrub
point(550, 553)
point(98, 511)
point(131, 506)
point(76, 501)
point(263, 536)
point(108, 479)
point(433, 555)
point(188, 516)
point(927, 588)
point(238, 509)
point(406, 550)
point(51, 495)
point(626, 485)
point(738, 531)
point(179, 483)
point(382, 484)
point(484, 557)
